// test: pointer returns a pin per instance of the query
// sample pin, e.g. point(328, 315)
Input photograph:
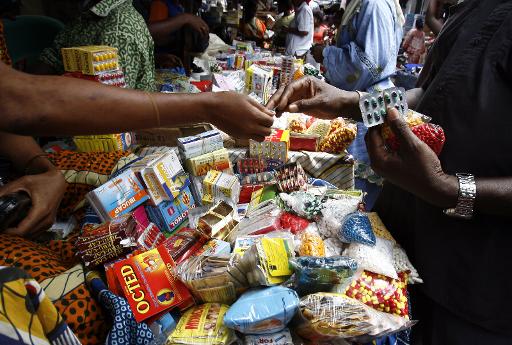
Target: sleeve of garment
point(361, 61)
point(158, 11)
point(501, 58)
point(304, 20)
point(504, 65)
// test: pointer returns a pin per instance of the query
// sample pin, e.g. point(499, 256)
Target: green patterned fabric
point(115, 23)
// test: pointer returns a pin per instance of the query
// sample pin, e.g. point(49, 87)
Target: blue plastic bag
point(262, 310)
point(357, 228)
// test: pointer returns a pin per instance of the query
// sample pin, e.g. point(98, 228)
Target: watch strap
point(466, 199)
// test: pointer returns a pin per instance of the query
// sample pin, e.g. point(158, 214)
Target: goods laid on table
point(104, 143)
point(252, 245)
point(301, 261)
point(307, 133)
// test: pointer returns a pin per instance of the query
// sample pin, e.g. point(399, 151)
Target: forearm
point(24, 153)
point(38, 105)
point(433, 23)
point(494, 196)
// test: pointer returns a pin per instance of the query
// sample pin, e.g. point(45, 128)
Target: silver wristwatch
point(466, 199)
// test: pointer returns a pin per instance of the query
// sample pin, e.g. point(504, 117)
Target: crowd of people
point(464, 87)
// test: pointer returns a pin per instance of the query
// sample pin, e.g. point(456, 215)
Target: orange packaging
point(149, 285)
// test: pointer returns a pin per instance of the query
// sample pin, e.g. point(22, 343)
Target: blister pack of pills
point(373, 105)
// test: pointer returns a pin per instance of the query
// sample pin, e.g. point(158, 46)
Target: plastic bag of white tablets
point(377, 259)
point(333, 213)
point(403, 264)
point(333, 247)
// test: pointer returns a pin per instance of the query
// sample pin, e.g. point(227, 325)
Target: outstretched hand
point(414, 167)
point(241, 116)
point(310, 96)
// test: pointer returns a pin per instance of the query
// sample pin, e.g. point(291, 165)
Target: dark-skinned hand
point(310, 96)
point(46, 191)
point(414, 167)
point(240, 115)
point(168, 61)
point(317, 52)
point(197, 24)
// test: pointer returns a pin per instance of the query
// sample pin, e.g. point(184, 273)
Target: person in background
point(364, 58)
point(300, 33)
point(114, 23)
point(321, 28)
point(252, 27)
point(414, 43)
point(367, 45)
point(285, 10)
point(176, 33)
point(437, 13)
point(451, 213)
point(314, 5)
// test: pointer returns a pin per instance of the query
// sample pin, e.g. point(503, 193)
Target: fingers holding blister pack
point(374, 105)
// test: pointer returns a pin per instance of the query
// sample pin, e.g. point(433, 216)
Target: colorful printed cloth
point(125, 330)
point(85, 171)
point(55, 267)
point(114, 23)
point(27, 315)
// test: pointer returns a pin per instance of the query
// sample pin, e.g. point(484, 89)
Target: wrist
point(448, 191)
point(207, 106)
point(348, 103)
point(38, 164)
point(181, 19)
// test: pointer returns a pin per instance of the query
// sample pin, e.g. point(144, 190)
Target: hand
point(313, 97)
point(46, 191)
point(240, 116)
point(414, 167)
point(168, 61)
point(317, 52)
point(197, 24)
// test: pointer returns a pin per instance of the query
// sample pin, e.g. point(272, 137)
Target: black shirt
point(466, 265)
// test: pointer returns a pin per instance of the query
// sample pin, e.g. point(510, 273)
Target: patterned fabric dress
point(115, 23)
point(27, 316)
